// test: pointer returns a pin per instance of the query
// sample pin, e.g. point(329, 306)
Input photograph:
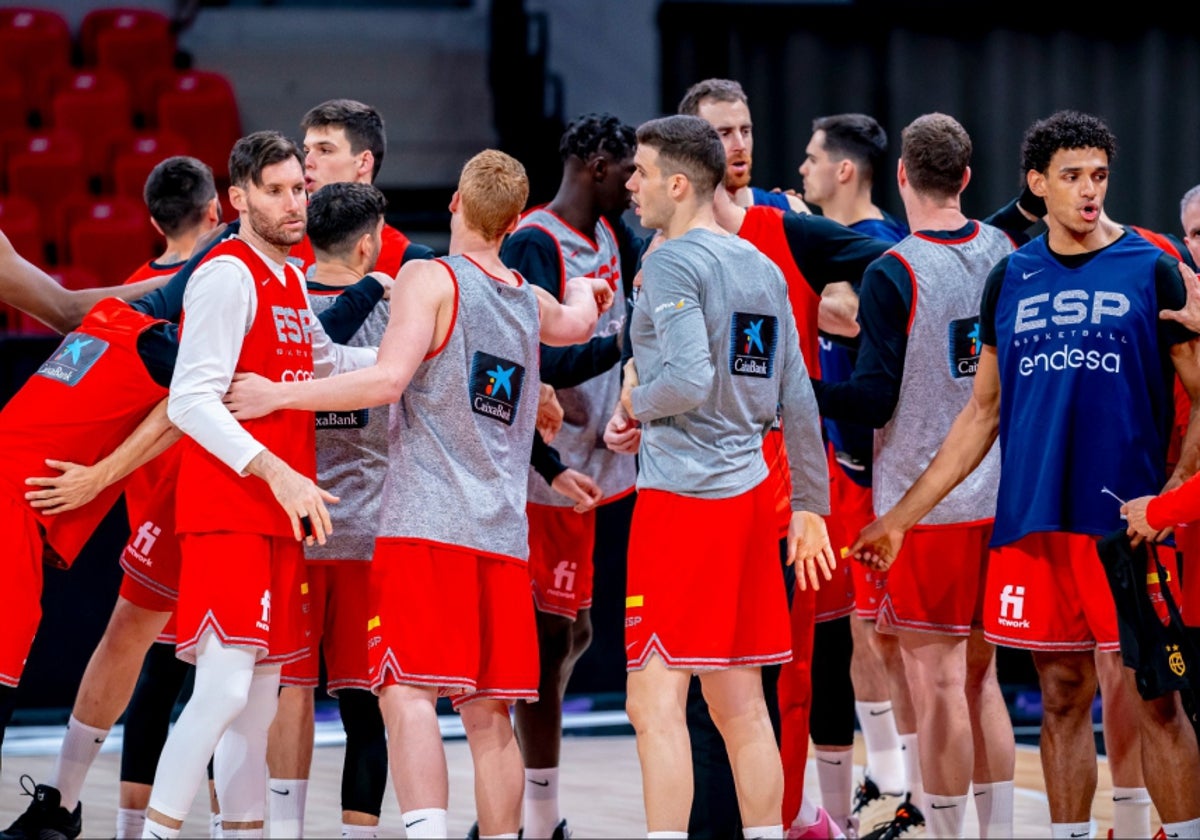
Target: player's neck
point(333, 273)
point(575, 209)
point(1064, 240)
point(273, 252)
point(850, 208)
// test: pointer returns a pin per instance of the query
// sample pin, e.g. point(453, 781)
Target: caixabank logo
point(73, 358)
point(495, 386)
point(752, 341)
point(965, 347)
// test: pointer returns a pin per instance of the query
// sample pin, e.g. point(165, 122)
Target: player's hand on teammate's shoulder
point(1189, 313)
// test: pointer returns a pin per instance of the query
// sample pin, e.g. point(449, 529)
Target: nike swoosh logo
point(1121, 798)
point(834, 761)
point(286, 792)
point(937, 807)
point(99, 740)
point(1080, 834)
point(546, 783)
point(886, 711)
point(414, 822)
point(1025, 275)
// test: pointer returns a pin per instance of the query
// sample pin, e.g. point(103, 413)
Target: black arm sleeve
point(534, 254)
point(415, 251)
point(870, 395)
point(827, 252)
point(346, 314)
point(1012, 221)
point(544, 459)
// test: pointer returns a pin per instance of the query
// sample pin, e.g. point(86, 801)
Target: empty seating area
point(84, 117)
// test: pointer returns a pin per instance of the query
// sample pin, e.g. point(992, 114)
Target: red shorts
point(338, 613)
point(851, 512)
point(151, 559)
point(561, 544)
point(1048, 591)
point(704, 590)
point(245, 588)
point(936, 584)
point(451, 618)
point(22, 587)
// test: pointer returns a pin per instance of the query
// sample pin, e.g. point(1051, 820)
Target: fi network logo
point(752, 340)
point(496, 386)
point(1012, 607)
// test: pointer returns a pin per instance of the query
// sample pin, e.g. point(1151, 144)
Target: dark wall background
point(996, 68)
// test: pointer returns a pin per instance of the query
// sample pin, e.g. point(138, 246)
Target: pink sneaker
point(825, 828)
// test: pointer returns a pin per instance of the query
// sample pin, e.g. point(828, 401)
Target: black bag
point(1162, 657)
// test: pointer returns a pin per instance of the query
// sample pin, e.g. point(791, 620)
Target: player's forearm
point(153, 436)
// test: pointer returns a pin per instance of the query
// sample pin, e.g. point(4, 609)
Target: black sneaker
point(907, 816)
point(866, 793)
point(561, 832)
point(473, 831)
point(45, 818)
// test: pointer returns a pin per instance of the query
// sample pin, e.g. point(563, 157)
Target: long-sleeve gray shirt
point(718, 355)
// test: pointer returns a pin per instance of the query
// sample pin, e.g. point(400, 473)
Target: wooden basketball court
point(600, 789)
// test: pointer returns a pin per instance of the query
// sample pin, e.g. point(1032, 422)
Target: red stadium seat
point(95, 104)
point(110, 237)
point(74, 277)
point(201, 107)
point(139, 153)
point(20, 222)
point(35, 48)
point(13, 111)
point(136, 43)
point(47, 167)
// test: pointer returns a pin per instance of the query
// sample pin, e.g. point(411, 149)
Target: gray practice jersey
point(352, 453)
point(461, 435)
point(587, 406)
point(939, 372)
point(717, 354)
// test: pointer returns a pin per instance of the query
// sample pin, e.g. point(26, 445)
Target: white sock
point(666, 835)
point(1065, 831)
point(80, 746)
point(359, 832)
point(153, 829)
point(835, 776)
point(1189, 828)
point(945, 815)
point(216, 829)
point(912, 770)
point(541, 801)
point(807, 815)
point(130, 822)
point(994, 808)
point(499, 836)
point(424, 822)
point(285, 806)
point(885, 763)
point(766, 831)
point(244, 833)
point(1131, 812)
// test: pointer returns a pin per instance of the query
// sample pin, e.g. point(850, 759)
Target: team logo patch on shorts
point(495, 386)
point(965, 347)
point(343, 419)
point(752, 344)
point(73, 358)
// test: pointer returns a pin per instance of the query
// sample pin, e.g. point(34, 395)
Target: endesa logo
point(752, 344)
point(495, 386)
point(1070, 331)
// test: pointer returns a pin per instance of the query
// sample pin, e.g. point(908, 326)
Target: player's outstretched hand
point(578, 487)
point(809, 549)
